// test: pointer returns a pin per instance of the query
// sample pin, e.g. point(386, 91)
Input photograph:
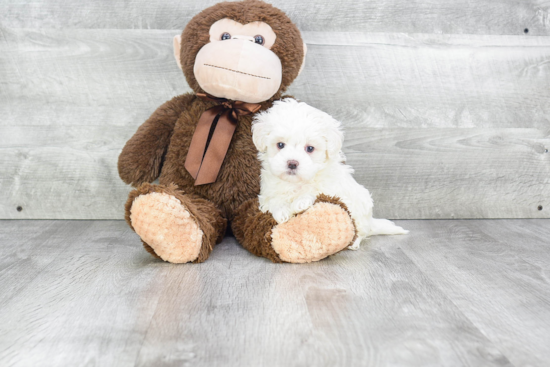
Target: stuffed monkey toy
point(238, 57)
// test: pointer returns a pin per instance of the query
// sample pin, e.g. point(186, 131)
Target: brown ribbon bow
point(205, 157)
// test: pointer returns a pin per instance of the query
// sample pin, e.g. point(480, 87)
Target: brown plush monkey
point(238, 57)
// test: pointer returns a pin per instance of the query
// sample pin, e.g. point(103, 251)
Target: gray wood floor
point(452, 293)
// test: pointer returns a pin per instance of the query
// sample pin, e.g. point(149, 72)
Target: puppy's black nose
point(293, 164)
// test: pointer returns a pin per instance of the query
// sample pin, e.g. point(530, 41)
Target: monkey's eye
point(225, 36)
point(310, 149)
point(280, 145)
point(259, 39)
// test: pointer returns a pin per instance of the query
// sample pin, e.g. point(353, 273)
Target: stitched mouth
point(236, 71)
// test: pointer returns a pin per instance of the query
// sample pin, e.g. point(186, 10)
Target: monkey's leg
point(173, 226)
point(322, 230)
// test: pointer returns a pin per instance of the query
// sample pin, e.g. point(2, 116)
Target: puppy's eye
point(310, 149)
point(280, 145)
point(225, 36)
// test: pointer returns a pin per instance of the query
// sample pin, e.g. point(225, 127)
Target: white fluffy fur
point(284, 191)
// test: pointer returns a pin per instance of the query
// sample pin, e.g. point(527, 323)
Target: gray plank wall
point(446, 104)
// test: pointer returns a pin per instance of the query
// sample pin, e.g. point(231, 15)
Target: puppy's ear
point(260, 134)
point(334, 137)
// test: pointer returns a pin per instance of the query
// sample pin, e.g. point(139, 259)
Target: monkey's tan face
point(238, 64)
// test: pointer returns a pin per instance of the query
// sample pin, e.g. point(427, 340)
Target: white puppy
point(301, 158)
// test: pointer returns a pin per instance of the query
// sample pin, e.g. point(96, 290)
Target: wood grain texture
point(370, 310)
point(417, 16)
point(418, 80)
point(439, 126)
point(119, 77)
point(527, 240)
point(70, 172)
point(62, 172)
point(488, 269)
point(68, 313)
point(85, 77)
point(453, 173)
point(451, 293)
point(23, 252)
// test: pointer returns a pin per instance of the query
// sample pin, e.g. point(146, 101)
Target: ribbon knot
point(212, 137)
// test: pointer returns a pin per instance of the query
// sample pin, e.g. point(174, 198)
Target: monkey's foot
point(324, 229)
point(164, 224)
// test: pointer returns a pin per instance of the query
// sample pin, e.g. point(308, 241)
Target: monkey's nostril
point(293, 164)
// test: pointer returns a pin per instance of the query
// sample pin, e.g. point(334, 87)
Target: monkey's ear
point(303, 60)
point(177, 49)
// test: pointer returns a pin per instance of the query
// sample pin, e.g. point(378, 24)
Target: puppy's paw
point(355, 245)
point(302, 203)
point(281, 215)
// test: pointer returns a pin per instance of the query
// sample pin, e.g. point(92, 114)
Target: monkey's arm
point(142, 157)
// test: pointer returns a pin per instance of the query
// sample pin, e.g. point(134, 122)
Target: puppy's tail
point(384, 226)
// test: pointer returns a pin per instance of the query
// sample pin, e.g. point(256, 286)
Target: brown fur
point(252, 228)
point(238, 179)
point(322, 198)
point(159, 147)
point(205, 214)
point(288, 45)
point(142, 157)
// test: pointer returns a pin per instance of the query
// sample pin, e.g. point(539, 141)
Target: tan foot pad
point(322, 230)
point(164, 224)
